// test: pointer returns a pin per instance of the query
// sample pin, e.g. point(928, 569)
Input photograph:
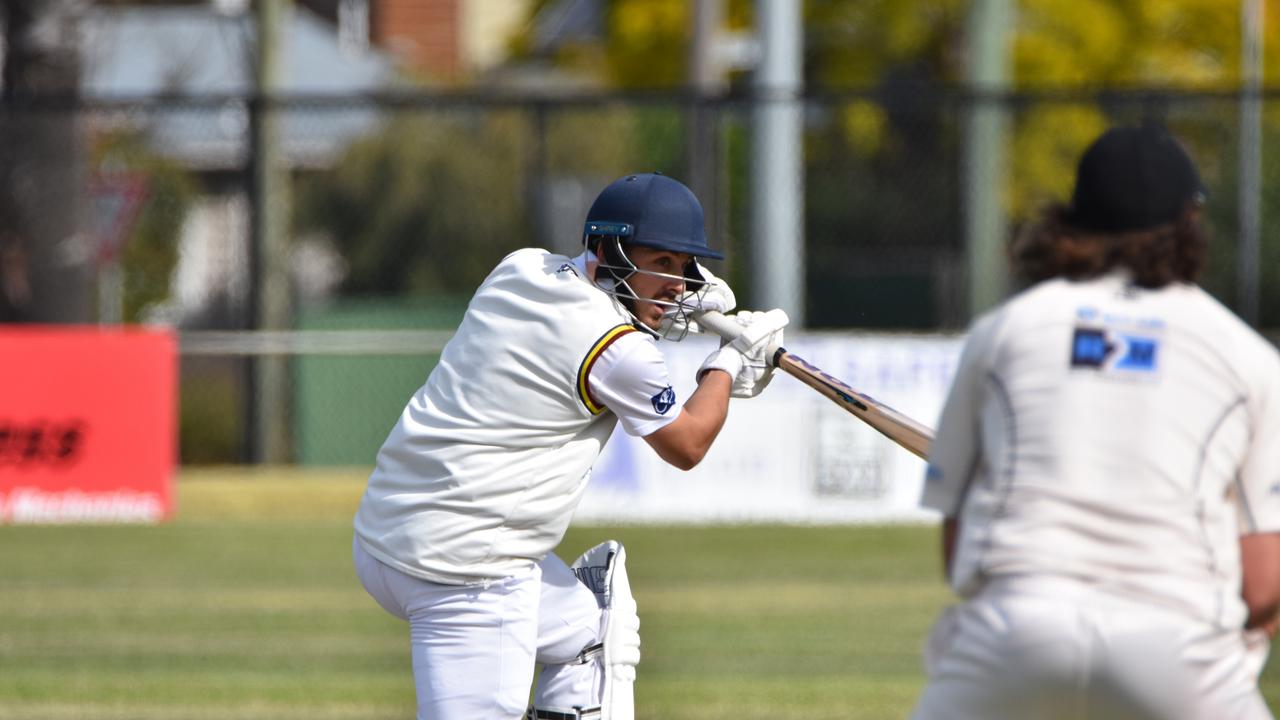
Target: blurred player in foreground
point(477, 482)
point(1108, 465)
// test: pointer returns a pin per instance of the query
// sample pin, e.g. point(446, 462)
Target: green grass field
point(246, 606)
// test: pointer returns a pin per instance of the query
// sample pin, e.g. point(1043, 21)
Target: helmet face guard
point(614, 268)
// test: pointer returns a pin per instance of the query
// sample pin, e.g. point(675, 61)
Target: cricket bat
point(904, 431)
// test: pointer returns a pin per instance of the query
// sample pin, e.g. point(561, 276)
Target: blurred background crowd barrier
point(312, 226)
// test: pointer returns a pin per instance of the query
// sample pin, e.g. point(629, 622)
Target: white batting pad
point(603, 569)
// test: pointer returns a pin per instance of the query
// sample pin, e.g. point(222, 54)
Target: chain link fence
point(399, 205)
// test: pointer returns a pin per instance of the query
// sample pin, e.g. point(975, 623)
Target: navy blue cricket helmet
point(651, 210)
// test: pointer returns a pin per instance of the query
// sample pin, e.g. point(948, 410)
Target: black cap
point(1133, 178)
point(653, 210)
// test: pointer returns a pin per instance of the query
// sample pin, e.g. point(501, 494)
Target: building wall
point(423, 34)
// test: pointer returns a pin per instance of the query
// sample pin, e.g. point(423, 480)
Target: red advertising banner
point(87, 424)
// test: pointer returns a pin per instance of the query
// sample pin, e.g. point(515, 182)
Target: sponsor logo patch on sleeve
point(664, 400)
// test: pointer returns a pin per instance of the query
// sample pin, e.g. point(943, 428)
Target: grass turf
point(245, 606)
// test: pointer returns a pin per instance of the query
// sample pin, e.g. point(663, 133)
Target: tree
point(640, 44)
point(883, 137)
point(150, 248)
point(400, 207)
point(430, 204)
point(45, 272)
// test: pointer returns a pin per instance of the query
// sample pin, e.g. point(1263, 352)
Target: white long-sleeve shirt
point(1120, 436)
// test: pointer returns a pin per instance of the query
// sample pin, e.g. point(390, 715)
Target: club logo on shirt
point(1140, 354)
point(1089, 348)
point(1103, 349)
point(664, 400)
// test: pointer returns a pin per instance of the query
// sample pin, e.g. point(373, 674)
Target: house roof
point(191, 68)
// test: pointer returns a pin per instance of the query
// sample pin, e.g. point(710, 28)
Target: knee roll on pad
point(603, 570)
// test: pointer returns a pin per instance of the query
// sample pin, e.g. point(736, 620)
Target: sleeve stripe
point(584, 370)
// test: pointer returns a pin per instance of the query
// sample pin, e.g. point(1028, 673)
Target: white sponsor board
point(789, 455)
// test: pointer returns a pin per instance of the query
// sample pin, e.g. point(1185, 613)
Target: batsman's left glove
point(749, 358)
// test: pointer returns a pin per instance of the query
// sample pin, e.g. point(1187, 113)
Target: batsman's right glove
point(749, 358)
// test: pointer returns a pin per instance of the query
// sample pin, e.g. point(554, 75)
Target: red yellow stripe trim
point(584, 370)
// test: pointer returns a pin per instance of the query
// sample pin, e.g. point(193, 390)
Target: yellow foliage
point(1191, 44)
point(1170, 43)
point(648, 42)
point(1057, 44)
point(907, 34)
point(1043, 154)
point(1054, 44)
point(637, 20)
point(865, 125)
point(857, 43)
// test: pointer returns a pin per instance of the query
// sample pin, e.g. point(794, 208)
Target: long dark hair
point(1052, 247)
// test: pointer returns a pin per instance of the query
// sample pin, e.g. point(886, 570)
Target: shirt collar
point(581, 261)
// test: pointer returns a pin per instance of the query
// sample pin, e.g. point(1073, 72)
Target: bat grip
point(718, 323)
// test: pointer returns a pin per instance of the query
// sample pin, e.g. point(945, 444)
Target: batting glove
point(748, 358)
point(715, 294)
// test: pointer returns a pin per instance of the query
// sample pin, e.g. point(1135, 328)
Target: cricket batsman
point(478, 480)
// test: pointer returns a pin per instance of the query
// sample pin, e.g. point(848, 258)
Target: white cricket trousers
point(1036, 648)
point(474, 647)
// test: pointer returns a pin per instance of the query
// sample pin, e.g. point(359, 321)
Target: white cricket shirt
point(480, 476)
point(1120, 436)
